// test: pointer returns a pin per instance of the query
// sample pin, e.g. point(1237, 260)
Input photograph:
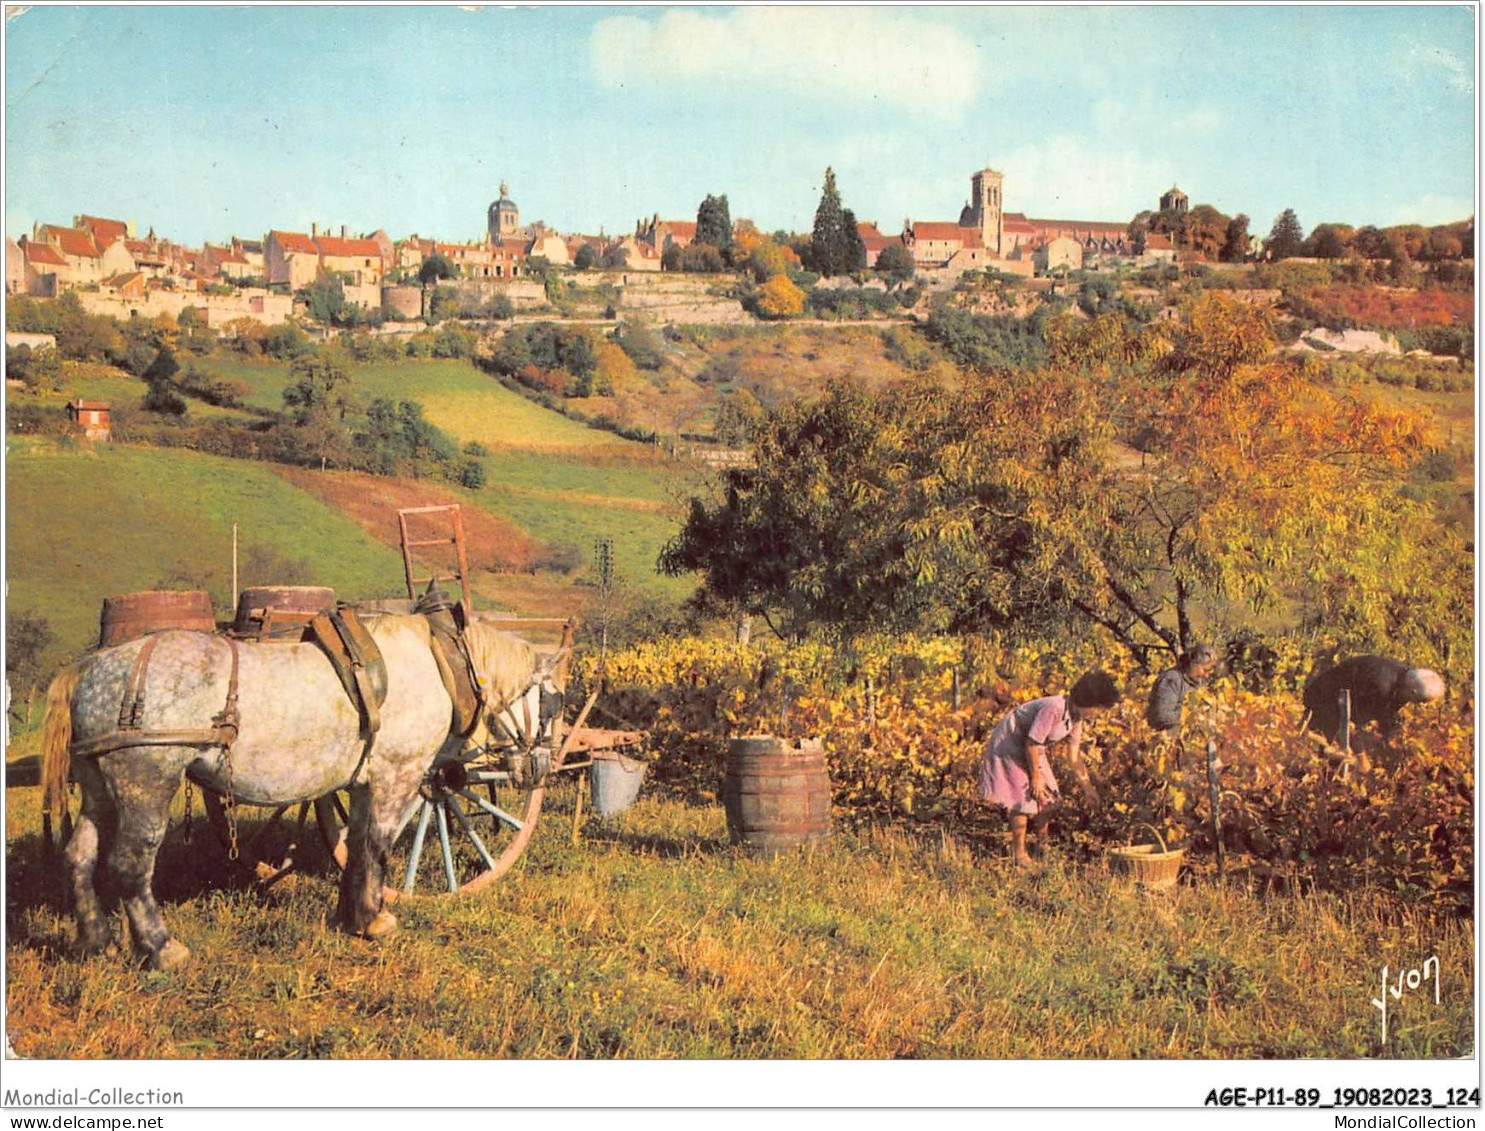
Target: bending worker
point(1168, 697)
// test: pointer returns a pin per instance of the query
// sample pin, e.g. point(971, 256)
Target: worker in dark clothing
point(1379, 687)
point(1168, 697)
point(1193, 668)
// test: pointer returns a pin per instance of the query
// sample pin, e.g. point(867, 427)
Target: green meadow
point(87, 521)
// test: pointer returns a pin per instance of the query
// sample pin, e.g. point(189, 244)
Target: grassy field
point(652, 938)
point(454, 394)
point(84, 522)
point(558, 480)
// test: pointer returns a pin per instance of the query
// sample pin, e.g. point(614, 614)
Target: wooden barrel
point(268, 612)
point(131, 615)
point(777, 793)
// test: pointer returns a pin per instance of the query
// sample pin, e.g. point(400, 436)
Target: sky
point(208, 121)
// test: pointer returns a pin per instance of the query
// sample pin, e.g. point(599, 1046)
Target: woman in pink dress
point(1015, 772)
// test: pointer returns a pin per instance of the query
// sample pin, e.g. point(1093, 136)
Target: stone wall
point(261, 306)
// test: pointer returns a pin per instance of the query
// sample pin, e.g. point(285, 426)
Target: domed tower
point(1174, 201)
point(505, 217)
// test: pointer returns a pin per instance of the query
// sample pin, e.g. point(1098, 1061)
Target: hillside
point(83, 523)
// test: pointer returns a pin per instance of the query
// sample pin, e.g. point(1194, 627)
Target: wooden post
point(577, 811)
point(1345, 735)
point(1214, 794)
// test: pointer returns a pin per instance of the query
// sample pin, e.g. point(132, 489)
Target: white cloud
point(1457, 73)
point(856, 54)
point(1434, 208)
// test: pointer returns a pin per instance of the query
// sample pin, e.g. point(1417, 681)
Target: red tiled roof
point(296, 242)
point(1158, 241)
point(937, 230)
point(1019, 224)
point(124, 279)
point(350, 249)
point(44, 253)
point(71, 241)
point(105, 231)
point(685, 228)
point(137, 247)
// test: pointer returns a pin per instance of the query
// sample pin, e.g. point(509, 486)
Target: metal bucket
point(776, 792)
point(280, 612)
point(132, 615)
point(615, 780)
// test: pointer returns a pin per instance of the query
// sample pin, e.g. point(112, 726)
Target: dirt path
point(373, 501)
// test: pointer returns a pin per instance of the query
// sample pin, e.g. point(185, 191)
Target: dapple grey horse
point(298, 737)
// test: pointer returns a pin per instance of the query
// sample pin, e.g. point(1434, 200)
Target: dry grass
point(653, 938)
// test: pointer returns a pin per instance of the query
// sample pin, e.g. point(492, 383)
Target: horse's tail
point(56, 737)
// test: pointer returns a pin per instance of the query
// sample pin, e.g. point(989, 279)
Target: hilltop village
point(116, 270)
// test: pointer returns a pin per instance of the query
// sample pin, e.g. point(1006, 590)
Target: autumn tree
point(1010, 504)
point(1329, 241)
point(714, 222)
point(1286, 237)
point(1205, 230)
point(766, 260)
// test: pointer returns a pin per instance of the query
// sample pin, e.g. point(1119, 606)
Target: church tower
point(504, 217)
point(987, 210)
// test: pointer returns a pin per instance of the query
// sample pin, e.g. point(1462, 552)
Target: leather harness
point(130, 732)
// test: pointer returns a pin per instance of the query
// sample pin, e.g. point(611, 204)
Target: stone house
point(1158, 249)
point(549, 246)
point(90, 417)
point(104, 232)
point(639, 255)
point(661, 234)
point(359, 260)
point(1060, 252)
point(15, 268)
point(874, 241)
point(48, 273)
point(86, 261)
point(130, 284)
point(290, 259)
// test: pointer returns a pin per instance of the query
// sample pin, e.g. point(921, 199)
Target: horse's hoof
point(384, 925)
point(172, 956)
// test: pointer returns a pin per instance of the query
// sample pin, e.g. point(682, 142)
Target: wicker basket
point(1154, 871)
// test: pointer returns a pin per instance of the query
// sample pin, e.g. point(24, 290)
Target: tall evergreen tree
point(714, 222)
point(1286, 237)
point(852, 245)
point(827, 243)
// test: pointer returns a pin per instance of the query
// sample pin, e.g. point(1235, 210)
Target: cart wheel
point(465, 829)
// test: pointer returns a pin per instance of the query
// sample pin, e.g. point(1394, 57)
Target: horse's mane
point(506, 662)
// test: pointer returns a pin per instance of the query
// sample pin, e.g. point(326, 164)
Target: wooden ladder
point(456, 539)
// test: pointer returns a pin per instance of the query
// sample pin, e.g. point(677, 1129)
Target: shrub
point(471, 474)
point(779, 298)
